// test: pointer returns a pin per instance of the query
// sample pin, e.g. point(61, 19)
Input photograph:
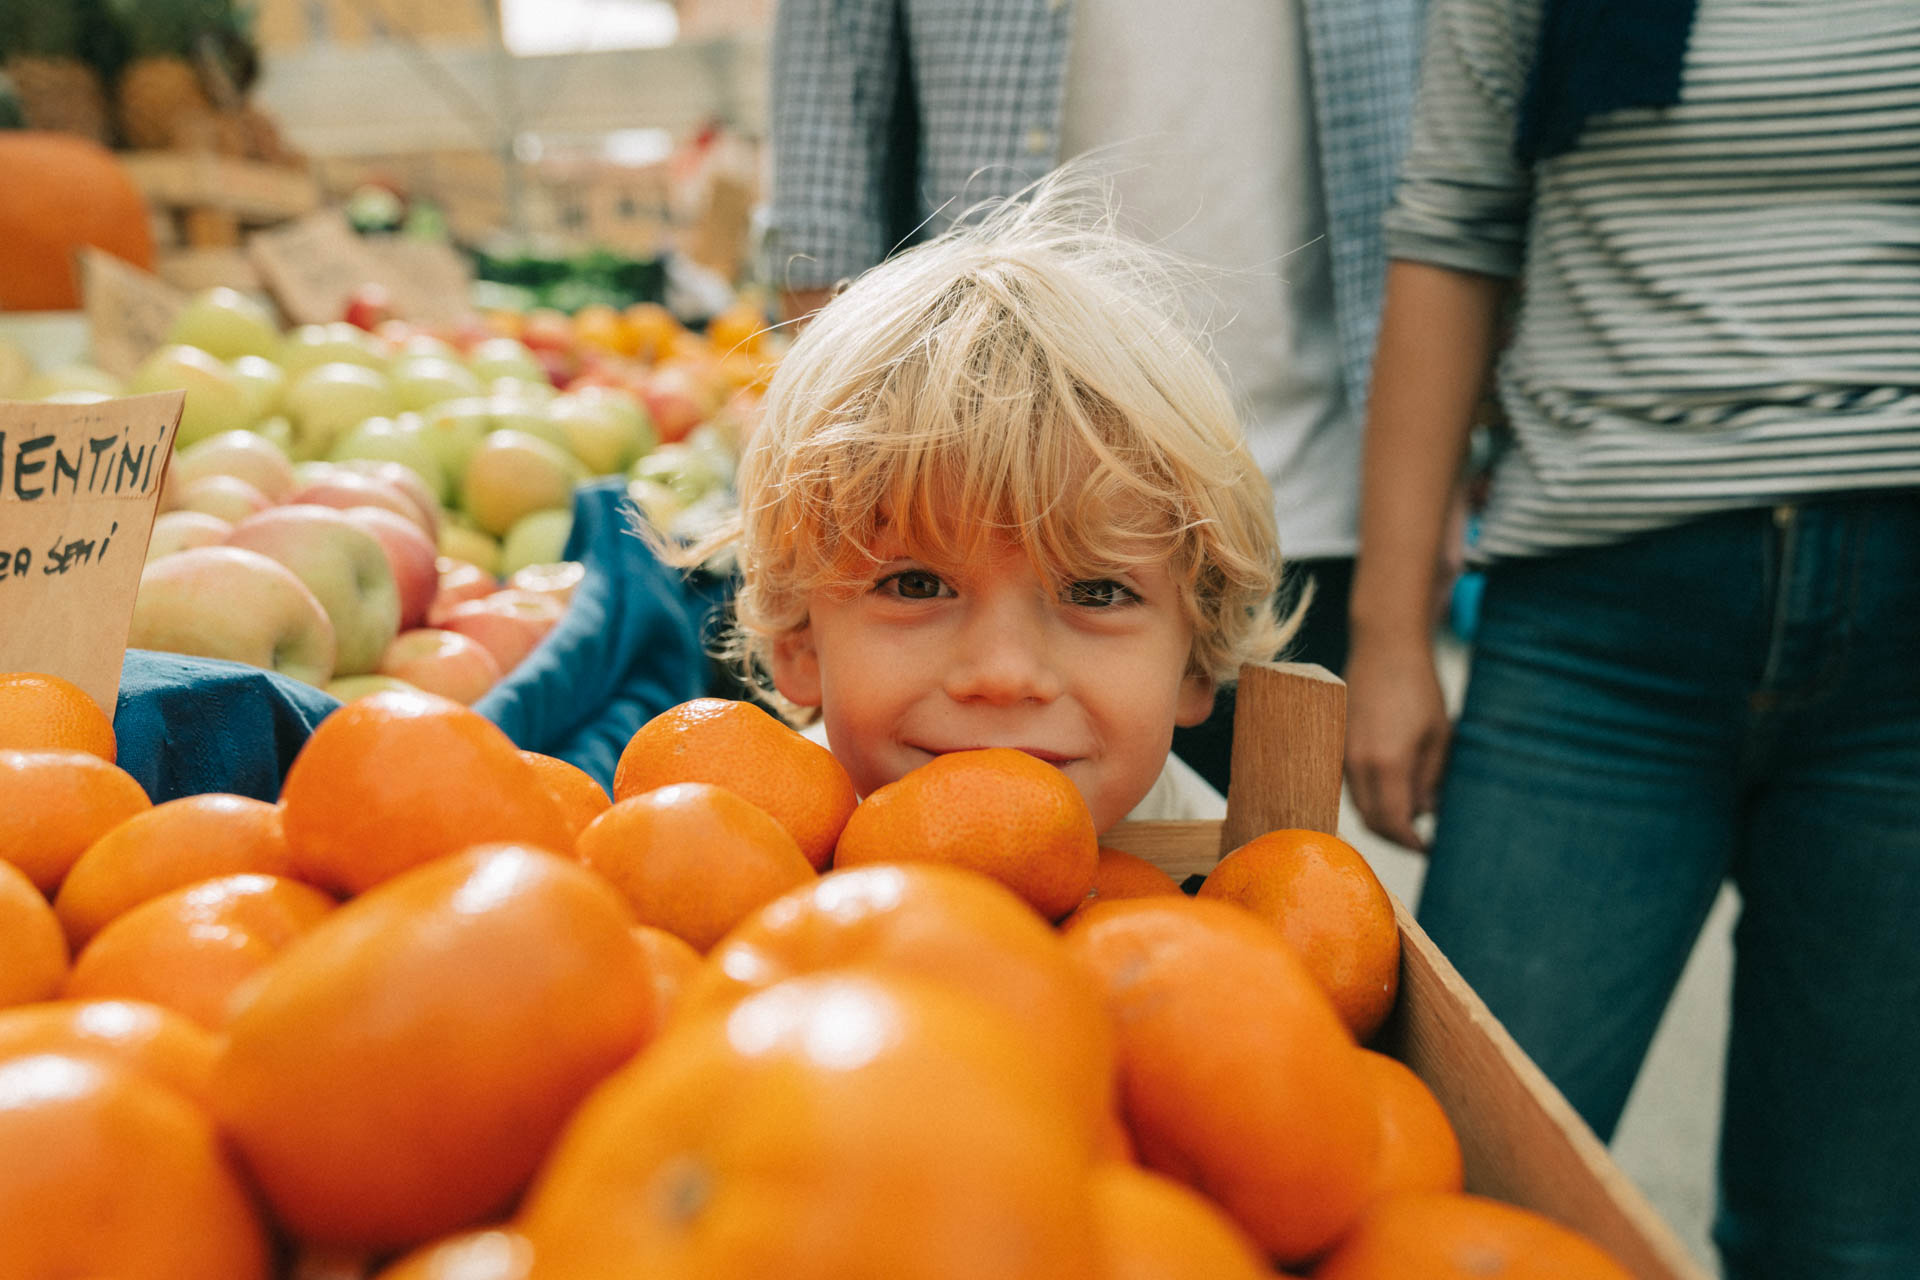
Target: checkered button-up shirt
point(890, 118)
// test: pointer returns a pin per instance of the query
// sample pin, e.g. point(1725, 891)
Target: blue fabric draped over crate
point(184, 726)
point(627, 648)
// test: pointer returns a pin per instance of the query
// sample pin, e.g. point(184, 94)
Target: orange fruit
point(650, 330)
point(599, 326)
point(1443, 1236)
point(400, 1070)
point(1323, 897)
point(33, 962)
point(739, 746)
point(581, 799)
point(191, 949)
point(396, 779)
point(671, 964)
point(1124, 875)
point(111, 1174)
point(1419, 1150)
point(166, 847)
point(53, 804)
point(997, 811)
point(693, 859)
point(739, 327)
point(40, 712)
point(934, 923)
point(850, 1126)
point(1236, 1075)
point(494, 1253)
point(166, 1047)
point(1153, 1228)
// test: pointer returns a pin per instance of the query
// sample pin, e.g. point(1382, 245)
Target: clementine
point(737, 745)
point(1323, 897)
point(396, 779)
point(850, 1126)
point(1444, 1236)
point(1119, 874)
point(997, 811)
point(166, 1047)
point(1153, 1228)
point(53, 804)
point(1236, 1075)
point(33, 962)
point(166, 847)
point(935, 923)
point(400, 1070)
point(1419, 1150)
point(41, 712)
point(124, 1178)
point(191, 949)
point(581, 799)
point(671, 964)
point(693, 858)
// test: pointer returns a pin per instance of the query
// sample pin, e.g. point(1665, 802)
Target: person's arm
point(1436, 342)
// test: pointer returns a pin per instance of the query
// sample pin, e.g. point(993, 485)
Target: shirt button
point(1039, 142)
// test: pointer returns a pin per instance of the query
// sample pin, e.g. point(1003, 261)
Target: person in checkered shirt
point(1258, 137)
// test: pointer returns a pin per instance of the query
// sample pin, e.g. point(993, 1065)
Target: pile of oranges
point(448, 1011)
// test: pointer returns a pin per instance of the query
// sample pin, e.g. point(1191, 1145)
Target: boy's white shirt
point(1179, 794)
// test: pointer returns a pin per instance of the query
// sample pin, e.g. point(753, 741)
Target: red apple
point(556, 580)
point(343, 488)
point(407, 481)
point(509, 623)
point(677, 401)
point(443, 662)
point(226, 498)
point(459, 583)
point(369, 306)
point(225, 602)
point(411, 555)
point(342, 564)
point(178, 530)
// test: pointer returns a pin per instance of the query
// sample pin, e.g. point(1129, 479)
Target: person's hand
point(1397, 735)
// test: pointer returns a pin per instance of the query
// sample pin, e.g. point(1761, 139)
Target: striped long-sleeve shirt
point(1720, 300)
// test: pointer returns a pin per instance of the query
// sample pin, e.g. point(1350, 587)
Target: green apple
point(690, 474)
point(226, 323)
point(539, 537)
point(347, 688)
point(312, 345)
point(461, 541)
point(263, 381)
point(331, 399)
point(216, 401)
point(455, 428)
point(535, 390)
point(246, 454)
point(402, 440)
point(513, 474)
point(606, 432)
point(47, 383)
point(278, 429)
point(16, 366)
point(504, 358)
point(423, 380)
point(657, 503)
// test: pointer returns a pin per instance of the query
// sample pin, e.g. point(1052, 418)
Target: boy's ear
point(796, 668)
point(1195, 703)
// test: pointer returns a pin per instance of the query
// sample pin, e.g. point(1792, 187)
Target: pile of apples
point(414, 479)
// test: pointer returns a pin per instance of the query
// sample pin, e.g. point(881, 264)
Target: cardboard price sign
point(313, 265)
point(129, 311)
point(428, 281)
point(79, 487)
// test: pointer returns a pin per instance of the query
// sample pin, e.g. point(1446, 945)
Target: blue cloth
point(627, 648)
point(1736, 697)
point(186, 726)
point(1596, 56)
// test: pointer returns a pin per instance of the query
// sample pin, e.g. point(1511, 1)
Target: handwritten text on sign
point(79, 486)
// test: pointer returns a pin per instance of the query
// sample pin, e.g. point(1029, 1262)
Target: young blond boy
point(999, 497)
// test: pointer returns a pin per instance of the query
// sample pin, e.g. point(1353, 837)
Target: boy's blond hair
point(1032, 376)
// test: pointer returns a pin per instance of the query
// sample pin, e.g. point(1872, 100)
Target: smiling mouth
point(1038, 753)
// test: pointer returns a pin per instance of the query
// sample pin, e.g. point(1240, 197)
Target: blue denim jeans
point(1737, 697)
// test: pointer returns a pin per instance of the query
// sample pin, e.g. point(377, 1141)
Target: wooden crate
point(1522, 1141)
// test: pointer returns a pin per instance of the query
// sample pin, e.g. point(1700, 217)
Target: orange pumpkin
point(61, 192)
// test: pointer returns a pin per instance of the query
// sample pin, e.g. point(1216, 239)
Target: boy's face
point(914, 662)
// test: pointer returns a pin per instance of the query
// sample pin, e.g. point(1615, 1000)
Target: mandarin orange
point(739, 746)
point(192, 948)
point(394, 780)
point(581, 799)
point(166, 1047)
point(1419, 1150)
point(671, 964)
point(1448, 1236)
point(1236, 1074)
point(400, 1070)
point(997, 811)
point(850, 1126)
point(1323, 897)
point(126, 1178)
point(33, 962)
point(1153, 1228)
point(42, 712)
point(167, 847)
point(53, 804)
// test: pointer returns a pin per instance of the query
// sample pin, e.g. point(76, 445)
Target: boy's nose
point(1004, 655)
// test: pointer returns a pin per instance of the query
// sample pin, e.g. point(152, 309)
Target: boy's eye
point(913, 584)
point(1098, 593)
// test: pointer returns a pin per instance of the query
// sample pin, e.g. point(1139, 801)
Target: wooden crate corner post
point(1289, 746)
